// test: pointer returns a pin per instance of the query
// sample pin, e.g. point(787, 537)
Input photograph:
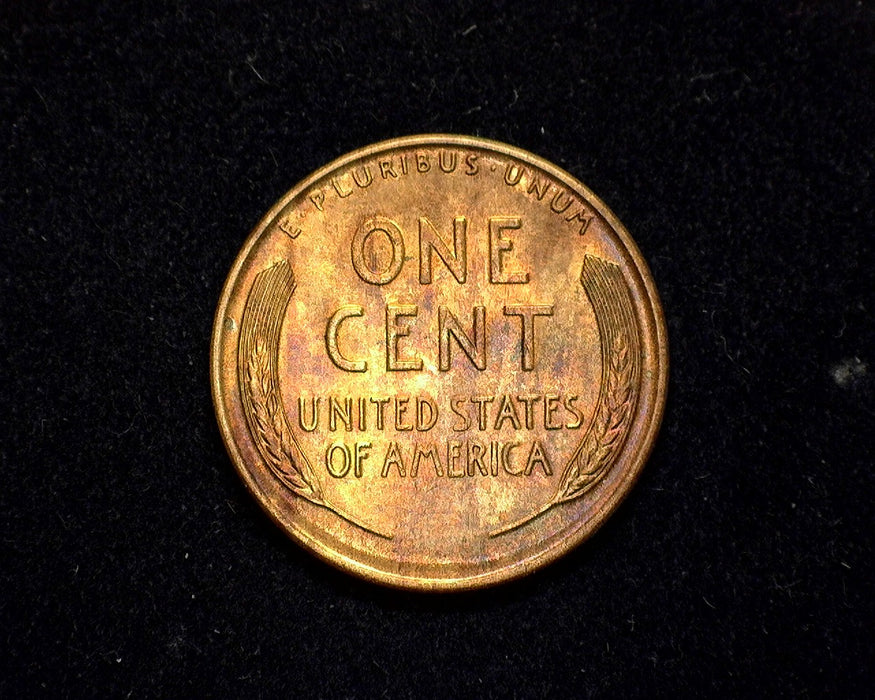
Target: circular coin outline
point(640, 447)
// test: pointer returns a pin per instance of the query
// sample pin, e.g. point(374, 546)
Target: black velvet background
point(140, 148)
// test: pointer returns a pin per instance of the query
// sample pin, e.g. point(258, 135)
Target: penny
point(439, 362)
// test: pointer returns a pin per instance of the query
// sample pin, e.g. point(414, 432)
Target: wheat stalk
point(268, 420)
point(611, 425)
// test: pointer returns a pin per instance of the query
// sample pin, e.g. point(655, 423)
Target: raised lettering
point(400, 410)
point(476, 451)
point(557, 198)
point(499, 247)
point(538, 187)
point(393, 458)
point(426, 413)
point(430, 240)
point(512, 174)
point(396, 330)
point(447, 164)
point(537, 455)
point(482, 403)
point(527, 313)
point(583, 218)
point(454, 468)
point(363, 413)
point(380, 402)
point(386, 169)
point(569, 406)
point(551, 405)
point(365, 265)
point(529, 400)
point(431, 452)
point(318, 199)
point(456, 404)
point(310, 425)
point(506, 461)
point(341, 192)
point(361, 454)
point(366, 177)
point(343, 313)
point(343, 470)
point(507, 411)
point(288, 228)
point(343, 412)
point(474, 348)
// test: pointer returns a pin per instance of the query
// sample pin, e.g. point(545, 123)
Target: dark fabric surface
point(140, 147)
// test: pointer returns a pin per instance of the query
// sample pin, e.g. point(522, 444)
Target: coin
point(439, 362)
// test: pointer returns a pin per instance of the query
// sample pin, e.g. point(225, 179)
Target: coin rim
point(521, 567)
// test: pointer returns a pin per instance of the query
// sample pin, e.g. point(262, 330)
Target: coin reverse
point(439, 362)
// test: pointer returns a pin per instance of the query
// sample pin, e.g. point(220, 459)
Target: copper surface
point(439, 362)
